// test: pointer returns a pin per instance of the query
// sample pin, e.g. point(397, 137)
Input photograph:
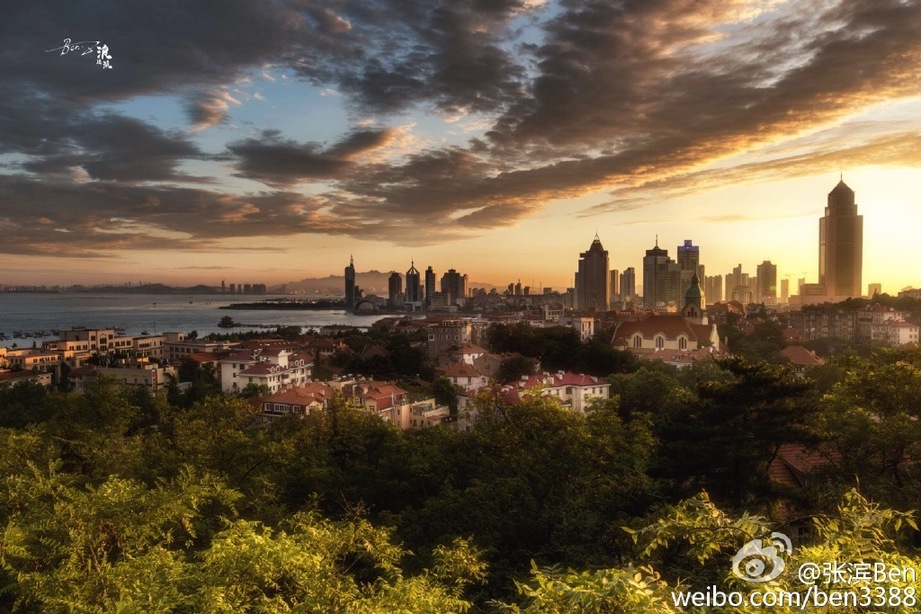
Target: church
point(688, 331)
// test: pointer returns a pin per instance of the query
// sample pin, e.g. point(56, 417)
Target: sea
point(27, 318)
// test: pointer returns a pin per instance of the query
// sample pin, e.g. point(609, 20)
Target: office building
point(592, 288)
point(413, 298)
point(628, 285)
point(661, 278)
point(766, 283)
point(395, 290)
point(429, 286)
point(841, 245)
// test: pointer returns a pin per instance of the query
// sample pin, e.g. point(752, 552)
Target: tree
point(725, 434)
point(871, 420)
point(690, 547)
point(445, 392)
point(514, 368)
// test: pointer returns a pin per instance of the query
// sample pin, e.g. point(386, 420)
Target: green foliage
point(692, 545)
point(872, 421)
point(512, 369)
point(126, 547)
point(23, 403)
point(445, 392)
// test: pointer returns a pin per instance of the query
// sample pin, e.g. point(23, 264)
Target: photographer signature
point(103, 57)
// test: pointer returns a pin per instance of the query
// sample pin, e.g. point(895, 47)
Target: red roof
point(669, 325)
point(461, 369)
point(799, 355)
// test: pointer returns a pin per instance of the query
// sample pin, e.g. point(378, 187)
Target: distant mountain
point(372, 282)
point(153, 289)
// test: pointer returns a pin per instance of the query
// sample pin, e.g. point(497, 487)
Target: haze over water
point(153, 313)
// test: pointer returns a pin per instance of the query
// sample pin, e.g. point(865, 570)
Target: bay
point(151, 313)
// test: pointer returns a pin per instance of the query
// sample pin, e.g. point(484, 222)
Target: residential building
point(614, 287)
point(429, 287)
point(766, 284)
point(395, 290)
point(446, 334)
point(454, 287)
point(273, 367)
point(465, 375)
point(713, 288)
point(628, 285)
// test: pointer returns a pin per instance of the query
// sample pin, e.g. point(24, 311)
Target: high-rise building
point(784, 291)
point(874, 289)
point(429, 286)
point(454, 286)
point(350, 288)
point(628, 285)
point(841, 245)
point(766, 285)
point(713, 288)
point(657, 274)
point(413, 286)
point(614, 285)
point(592, 290)
point(689, 263)
point(395, 290)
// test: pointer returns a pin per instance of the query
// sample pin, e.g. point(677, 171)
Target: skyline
point(494, 138)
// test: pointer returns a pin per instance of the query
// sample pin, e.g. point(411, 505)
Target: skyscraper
point(658, 273)
point(592, 289)
point(766, 285)
point(628, 284)
point(395, 290)
point(454, 286)
point(841, 245)
point(713, 288)
point(350, 285)
point(413, 286)
point(429, 286)
point(614, 285)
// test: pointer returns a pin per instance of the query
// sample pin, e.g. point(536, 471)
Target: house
point(302, 400)
point(273, 365)
point(465, 375)
point(801, 358)
point(573, 390)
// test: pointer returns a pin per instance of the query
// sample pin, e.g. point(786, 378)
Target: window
point(682, 342)
point(637, 341)
point(660, 342)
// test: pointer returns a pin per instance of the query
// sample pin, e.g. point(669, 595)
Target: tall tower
point(350, 285)
point(592, 289)
point(841, 245)
point(395, 290)
point(655, 276)
point(628, 284)
point(413, 285)
point(766, 286)
point(429, 286)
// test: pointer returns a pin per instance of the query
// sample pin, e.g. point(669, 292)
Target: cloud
point(282, 162)
point(643, 99)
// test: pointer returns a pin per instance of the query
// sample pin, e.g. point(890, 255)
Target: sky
point(270, 141)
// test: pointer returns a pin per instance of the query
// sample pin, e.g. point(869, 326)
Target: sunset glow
point(269, 141)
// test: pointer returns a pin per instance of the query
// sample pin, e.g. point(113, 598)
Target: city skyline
point(495, 139)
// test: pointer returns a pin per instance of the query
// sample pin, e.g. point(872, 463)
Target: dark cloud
point(634, 96)
point(282, 162)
